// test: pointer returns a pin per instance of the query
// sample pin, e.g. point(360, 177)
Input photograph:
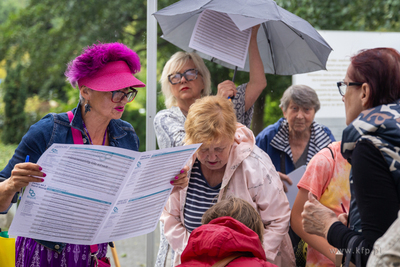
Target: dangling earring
point(87, 107)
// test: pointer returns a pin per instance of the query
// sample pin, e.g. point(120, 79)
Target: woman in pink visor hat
point(104, 76)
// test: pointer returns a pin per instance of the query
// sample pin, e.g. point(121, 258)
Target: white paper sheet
point(295, 176)
point(96, 194)
point(215, 34)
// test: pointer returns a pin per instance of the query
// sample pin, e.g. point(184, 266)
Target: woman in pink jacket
point(227, 164)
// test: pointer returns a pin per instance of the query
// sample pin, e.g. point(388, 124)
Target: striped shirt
point(199, 198)
point(318, 139)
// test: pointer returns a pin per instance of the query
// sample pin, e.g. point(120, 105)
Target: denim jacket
point(56, 128)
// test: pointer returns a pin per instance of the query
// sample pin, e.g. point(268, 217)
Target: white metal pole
point(151, 102)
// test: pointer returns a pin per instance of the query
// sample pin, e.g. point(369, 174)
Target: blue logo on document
point(54, 151)
point(105, 156)
point(31, 194)
point(115, 210)
point(139, 164)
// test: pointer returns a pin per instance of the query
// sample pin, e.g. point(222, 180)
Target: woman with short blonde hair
point(185, 78)
point(228, 164)
point(219, 124)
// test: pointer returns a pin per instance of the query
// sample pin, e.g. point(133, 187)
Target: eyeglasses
point(118, 96)
point(190, 75)
point(342, 86)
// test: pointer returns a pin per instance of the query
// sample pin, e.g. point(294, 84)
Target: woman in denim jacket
point(104, 76)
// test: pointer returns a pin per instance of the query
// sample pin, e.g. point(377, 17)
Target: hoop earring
point(87, 107)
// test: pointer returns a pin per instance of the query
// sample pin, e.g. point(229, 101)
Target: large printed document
point(95, 194)
point(217, 35)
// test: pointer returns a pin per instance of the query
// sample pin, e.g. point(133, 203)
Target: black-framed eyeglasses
point(342, 86)
point(118, 96)
point(190, 75)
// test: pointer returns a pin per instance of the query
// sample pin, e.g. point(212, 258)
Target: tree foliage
point(47, 34)
point(349, 15)
point(15, 95)
point(44, 35)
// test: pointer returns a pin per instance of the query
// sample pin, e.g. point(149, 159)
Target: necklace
point(88, 135)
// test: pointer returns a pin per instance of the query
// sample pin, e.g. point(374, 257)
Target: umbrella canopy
point(288, 44)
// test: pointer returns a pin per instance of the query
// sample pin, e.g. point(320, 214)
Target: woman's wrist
point(328, 225)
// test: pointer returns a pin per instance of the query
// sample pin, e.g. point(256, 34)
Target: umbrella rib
point(270, 47)
point(301, 36)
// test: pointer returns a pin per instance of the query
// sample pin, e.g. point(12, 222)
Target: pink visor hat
point(113, 76)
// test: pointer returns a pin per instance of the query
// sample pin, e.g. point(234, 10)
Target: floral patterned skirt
point(29, 253)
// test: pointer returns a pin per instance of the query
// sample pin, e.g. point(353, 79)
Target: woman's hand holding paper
point(181, 180)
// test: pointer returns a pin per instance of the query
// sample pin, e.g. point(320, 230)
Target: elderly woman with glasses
point(103, 73)
point(228, 163)
point(186, 78)
point(371, 143)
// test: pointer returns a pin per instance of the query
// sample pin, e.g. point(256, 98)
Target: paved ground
point(132, 252)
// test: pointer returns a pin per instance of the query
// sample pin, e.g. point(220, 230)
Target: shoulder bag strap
point(350, 248)
point(331, 152)
point(227, 260)
point(76, 135)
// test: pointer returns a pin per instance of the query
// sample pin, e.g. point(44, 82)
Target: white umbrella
point(288, 44)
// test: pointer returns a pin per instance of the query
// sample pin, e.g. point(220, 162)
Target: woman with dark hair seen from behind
point(371, 142)
point(103, 74)
point(234, 223)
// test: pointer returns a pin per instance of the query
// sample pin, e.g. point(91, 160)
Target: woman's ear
point(84, 92)
point(284, 113)
point(365, 95)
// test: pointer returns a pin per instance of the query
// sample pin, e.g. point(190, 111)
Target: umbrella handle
point(115, 255)
point(234, 74)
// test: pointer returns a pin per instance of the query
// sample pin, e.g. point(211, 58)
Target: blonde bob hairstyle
point(239, 210)
point(211, 118)
point(174, 65)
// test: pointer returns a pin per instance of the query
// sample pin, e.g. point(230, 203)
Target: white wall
point(344, 44)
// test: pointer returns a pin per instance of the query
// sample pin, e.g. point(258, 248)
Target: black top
point(377, 201)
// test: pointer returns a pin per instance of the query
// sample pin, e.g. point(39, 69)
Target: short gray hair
point(301, 95)
point(174, 64)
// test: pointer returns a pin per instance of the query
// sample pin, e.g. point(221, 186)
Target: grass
point(6, 152)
